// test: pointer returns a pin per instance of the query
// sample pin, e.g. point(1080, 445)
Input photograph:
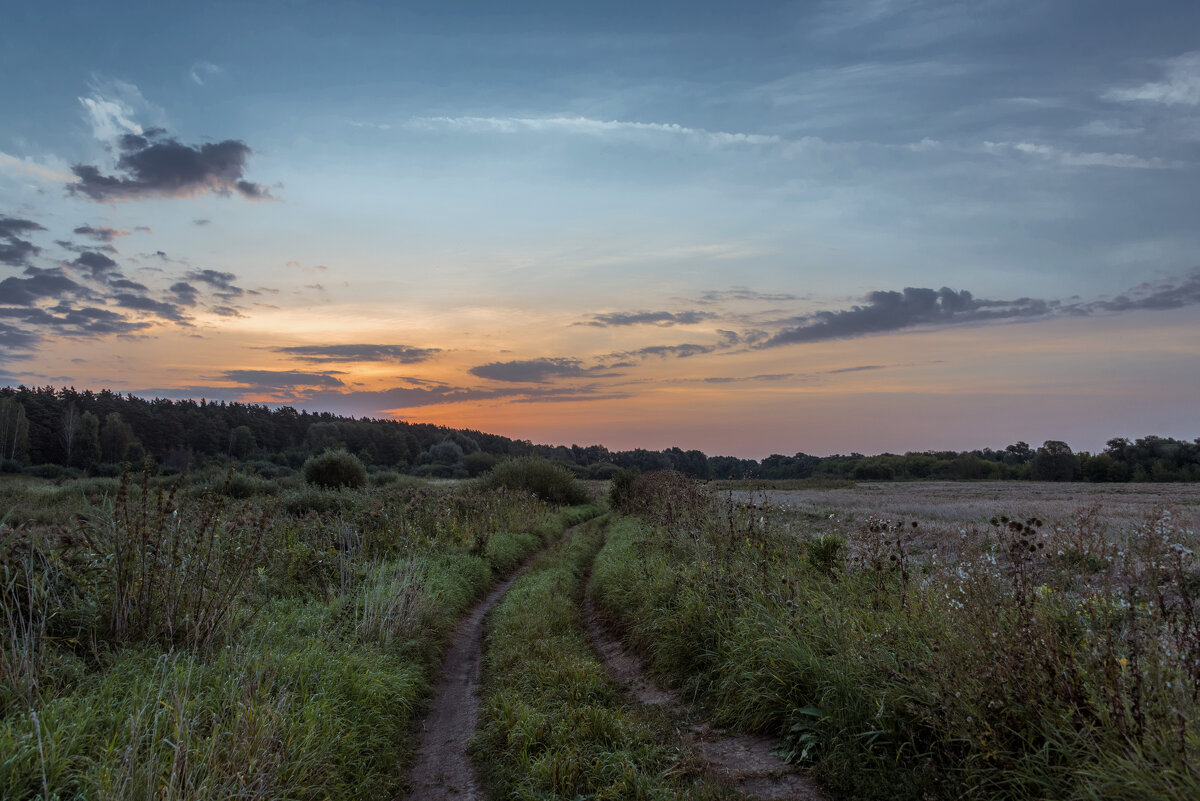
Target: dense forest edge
point(62, 433)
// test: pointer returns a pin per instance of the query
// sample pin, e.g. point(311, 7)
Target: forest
point(64, 432)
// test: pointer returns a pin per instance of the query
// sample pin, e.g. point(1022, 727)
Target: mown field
point(232, 636)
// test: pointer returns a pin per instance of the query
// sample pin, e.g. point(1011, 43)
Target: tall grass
point(188, 641)
point(1031, 659)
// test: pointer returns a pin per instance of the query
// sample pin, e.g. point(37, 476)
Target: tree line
point(57, 432)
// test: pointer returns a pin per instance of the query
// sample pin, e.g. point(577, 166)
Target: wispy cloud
point(534, 371)
point(1180, 85)
point(659, 318)
point(399, 354)
point(590, 127)
point(201, 70)
point(1069, 158)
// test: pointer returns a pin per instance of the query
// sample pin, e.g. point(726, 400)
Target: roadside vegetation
point(1021, 657)
point(236, 635)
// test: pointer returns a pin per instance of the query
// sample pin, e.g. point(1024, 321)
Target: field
point(230, 636)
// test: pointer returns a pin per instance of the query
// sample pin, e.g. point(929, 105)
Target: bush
point(50, 471)
point(334, 469)
point(106, 470)
point(550, 482)
point(10, 466)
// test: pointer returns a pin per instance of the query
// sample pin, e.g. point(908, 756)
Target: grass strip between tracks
point(553, 723)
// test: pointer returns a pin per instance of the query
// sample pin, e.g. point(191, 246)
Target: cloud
point(401, 354)
point(760, 377)
point(663, 351)
point(42, 284)
point(1180, 85)
point(1161, 296)
point(96, 264)
point(531, 370)
point(742, 293)
point(282, 379)
point(659, 318)
point(858, 369)
point(167, 311)
point(203, 69)
point(184, 293)
point(112, 107)
point(220, 281)
point(15, 339)
point(1069, 158)
point(100, 233)
point(32, 169)
point(153, 166)
point(891, 311)
point(887, 311)
point(590, 127)
point(15, 251)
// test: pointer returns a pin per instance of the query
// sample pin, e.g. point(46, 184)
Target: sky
point(829, 227)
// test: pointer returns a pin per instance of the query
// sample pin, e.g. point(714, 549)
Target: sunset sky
point(748, 228)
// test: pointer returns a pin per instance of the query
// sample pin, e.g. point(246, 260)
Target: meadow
point(232, 635)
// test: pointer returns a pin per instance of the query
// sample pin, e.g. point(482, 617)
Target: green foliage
point(333, 469)
point(548, 481)
point(1013, 671)
point(553, 725)
point(184, 645)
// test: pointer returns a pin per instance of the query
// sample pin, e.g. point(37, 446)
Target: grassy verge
point(553, 725)
point(1020, 671)
point(196, 645)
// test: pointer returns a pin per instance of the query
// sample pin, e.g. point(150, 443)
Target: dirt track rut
point(742, 761)
point(443, 770)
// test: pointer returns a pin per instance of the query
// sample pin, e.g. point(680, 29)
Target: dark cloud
point(15, 251)
point(89, 322)
point(659, 318)
point(530, 370)
point(42, 284)
point(225, 311)
point(185, 293)
point(1171, 294)
point(282, 379)
point(221, 282)
point(202, 221)
point(153, 166)
point(401, 354)
point(892, 311)
point(97, 264)
point(15, 339)
point(100, 233)
point(129, 286)
point(663, 351)
point(167, 311)
point(859, 369)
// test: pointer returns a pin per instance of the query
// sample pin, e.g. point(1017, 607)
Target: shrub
point(334, 469)
point(50, 471)
point(550, 482)
point(10, 466)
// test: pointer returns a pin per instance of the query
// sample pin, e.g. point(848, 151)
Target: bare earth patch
point(443, 769)
point(742, 761)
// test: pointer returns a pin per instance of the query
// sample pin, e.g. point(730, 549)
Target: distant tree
point(447, 452)
point(1055, 461)
point(68, 430)
point(241, 442)
point(116, 436)
point(14, 430)
point(1018, 453)
point(87, 445)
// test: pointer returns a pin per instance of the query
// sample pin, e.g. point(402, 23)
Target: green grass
point(553, 724)
point(122, 675)
point(897, 677)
